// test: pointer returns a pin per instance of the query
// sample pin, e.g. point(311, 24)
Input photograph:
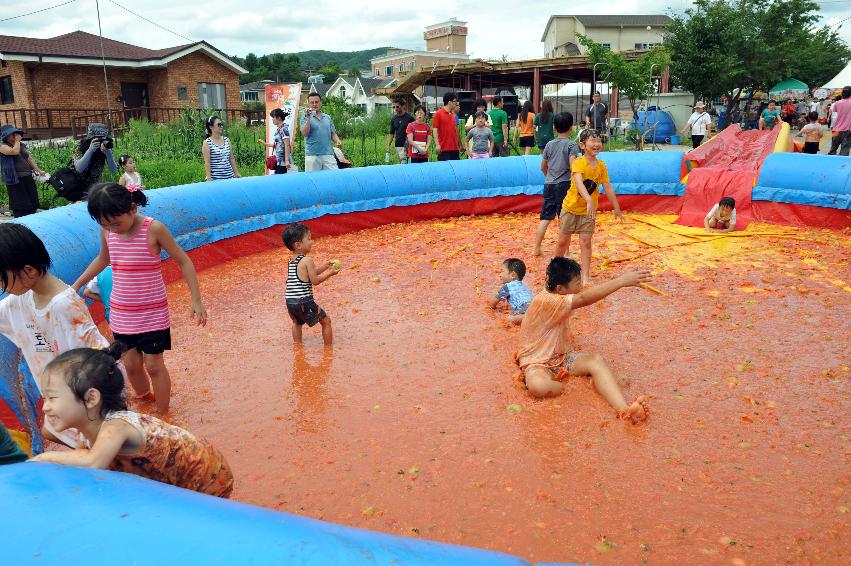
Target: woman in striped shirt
point(139, 317)
point(219, 162)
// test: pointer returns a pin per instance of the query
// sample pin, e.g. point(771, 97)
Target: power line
point(37, 11)
point(149, 21)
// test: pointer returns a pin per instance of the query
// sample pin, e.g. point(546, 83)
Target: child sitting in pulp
point(42, 315)
point(579, 209)
point(514, 291)
point(84, 389)
point(722, 216)
point(302, 275)
point(545, 355)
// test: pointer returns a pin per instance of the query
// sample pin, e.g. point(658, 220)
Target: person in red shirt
point(445, 129)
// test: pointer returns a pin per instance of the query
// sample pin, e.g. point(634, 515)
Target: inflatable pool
point(233, 218)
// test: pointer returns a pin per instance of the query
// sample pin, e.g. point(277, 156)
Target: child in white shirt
point(722, 216)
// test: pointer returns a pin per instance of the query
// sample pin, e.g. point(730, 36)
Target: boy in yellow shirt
point(579, 208)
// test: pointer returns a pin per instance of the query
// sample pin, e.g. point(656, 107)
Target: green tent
point(790, 88)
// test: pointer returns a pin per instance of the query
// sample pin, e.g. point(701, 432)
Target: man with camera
point(318, 131)
point(93, 152)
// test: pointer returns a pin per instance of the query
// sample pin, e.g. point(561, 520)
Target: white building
point(615, 32)
point(358, 91)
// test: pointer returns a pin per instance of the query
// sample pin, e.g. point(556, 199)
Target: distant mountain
point(318, 58)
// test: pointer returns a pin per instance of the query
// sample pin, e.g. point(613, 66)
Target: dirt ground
point(416, 422)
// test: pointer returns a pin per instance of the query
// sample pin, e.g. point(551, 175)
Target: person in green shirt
point(769, 116)
point(499, 127)
point(544, 124)
point(9, 451)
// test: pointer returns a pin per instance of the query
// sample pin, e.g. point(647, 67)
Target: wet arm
point(317, 275)
point(167, 242)
point(613, 198)
point(598, 292)
point(111, 438)
point(97, 265)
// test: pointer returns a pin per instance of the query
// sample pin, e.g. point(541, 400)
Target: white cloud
point(496, 27)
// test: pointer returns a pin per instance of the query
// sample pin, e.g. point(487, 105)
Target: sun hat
point(97, 130)
point(8, 129)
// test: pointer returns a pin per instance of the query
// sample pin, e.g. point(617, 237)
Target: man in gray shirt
point(318, 131)
point(596, 117)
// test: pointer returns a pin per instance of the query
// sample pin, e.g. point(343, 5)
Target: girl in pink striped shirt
point(132, 244)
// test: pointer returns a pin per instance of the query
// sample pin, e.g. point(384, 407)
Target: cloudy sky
point(497, 28)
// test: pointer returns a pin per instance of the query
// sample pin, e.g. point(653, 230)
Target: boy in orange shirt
point(545, 354)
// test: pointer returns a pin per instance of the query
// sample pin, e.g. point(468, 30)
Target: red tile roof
point(84, 45)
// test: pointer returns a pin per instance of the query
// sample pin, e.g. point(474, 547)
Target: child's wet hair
point(20, 247)
point(110, 200)
point(122, 161)
point(515, 266)
point(293, 234)
point(88, 368)
point(561, 271)
point(562, 122)
point(589, 133)
point(727, 201)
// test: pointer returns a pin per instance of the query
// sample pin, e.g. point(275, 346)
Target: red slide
point(728, 165)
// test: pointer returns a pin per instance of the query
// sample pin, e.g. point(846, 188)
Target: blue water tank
point(661, 119)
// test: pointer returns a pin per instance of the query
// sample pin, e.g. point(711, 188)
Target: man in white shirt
point(699, 123)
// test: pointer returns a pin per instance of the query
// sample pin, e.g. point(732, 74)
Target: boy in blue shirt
point(513, 291)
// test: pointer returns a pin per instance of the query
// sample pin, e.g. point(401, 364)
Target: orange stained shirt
point(527, 128)
point(545, 332)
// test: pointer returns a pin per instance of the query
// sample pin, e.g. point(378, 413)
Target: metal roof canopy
point(478, 74)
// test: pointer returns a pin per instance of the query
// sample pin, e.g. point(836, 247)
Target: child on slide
point(722, 216)
point(545, 355)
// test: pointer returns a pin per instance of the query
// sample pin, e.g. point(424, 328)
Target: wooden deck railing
point(46, 123)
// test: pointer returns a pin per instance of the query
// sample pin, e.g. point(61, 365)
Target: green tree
point(354, 71)
point(331, 70)
point(250, 62)
point(632, 77)
point(735, 47)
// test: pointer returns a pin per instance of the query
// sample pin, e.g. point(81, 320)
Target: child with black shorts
point(302, 275)
point(556, 162)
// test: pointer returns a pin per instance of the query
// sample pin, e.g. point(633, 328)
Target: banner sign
point(285, 97)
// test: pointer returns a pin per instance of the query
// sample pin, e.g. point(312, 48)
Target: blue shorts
point(521, 309)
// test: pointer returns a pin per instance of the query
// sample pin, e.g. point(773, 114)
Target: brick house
point(44, 83)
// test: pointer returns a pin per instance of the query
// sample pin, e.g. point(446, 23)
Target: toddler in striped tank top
point(302, 275)
point(139, 316)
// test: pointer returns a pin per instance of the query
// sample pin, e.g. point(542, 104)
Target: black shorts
point(307, 313)
point(153, 342)
point(554, 194)
point(527, 141)
point(418, 159)
point(811, 147)
point(280, 170)
point(454, 155)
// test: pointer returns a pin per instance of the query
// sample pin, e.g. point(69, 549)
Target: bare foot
point(637, 412)
point(147, 397)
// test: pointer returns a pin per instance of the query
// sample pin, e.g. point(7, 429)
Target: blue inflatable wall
point(57, 508)
point(62, 515)
point(797, 178)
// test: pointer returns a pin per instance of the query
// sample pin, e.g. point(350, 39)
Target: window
point(212, 95)
point(607, 46)
point(342, 92)
point(388, 71)
point(411, 65)
point(250, 96)
point(7, 95)
point(645, 45)
point(182, 93)
point(401, 67)
point(377, 72)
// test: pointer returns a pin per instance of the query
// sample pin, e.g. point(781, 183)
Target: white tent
point(841, 80)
